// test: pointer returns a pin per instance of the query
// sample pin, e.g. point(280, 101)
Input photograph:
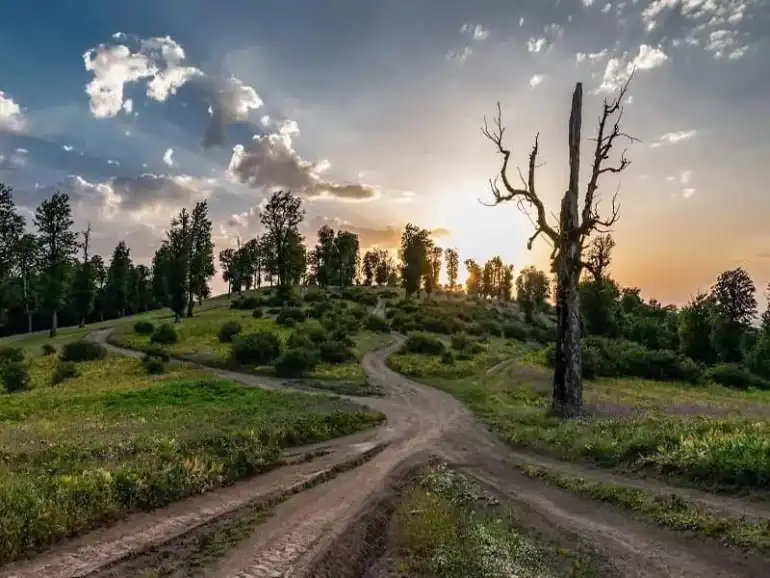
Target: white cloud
point(688, 192)
point(111, 162)
point(22, 151)
point(265, 120)
point(592, 56)
point(588, 3)
point(536, 79)
point(607, 7)
point(168, 157)
point(11, 117)
point(618, 70)
point(461, 55)
point(233, 103)
point(67, 148)
point(536, 45)
point(685, 177)
point(674, 137)
point(158, 61)
point(128, 105)
point(477, 31)
point(521, 21)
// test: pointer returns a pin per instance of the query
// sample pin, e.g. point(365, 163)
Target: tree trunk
point(29, 321)
point(82, 322)
point(568, 375)
point(54, 323)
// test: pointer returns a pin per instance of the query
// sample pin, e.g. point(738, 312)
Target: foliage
point(257, 313)
point(287, 315)
point(14, 376)
point(246, 302)
point(153, 365)
point(733, 375)
point(258, 348)
point(531, 291)
point(295, 362)
point(423, 343)
point(336, 352)
point(377, 323)
point(144, 327)
point(284, 253)
point(228, 331)
point(164, 334)
point(48, 349)
point(64, 370)
point(416, 246)
point(9, 354)
point(82, 350)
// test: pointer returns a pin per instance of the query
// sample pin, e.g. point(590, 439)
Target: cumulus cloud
point(674, 137)
point(11, 117)
point(536, 80)
point(158, 62)
point(619, 70)
point(168, 157)
point(233, 102)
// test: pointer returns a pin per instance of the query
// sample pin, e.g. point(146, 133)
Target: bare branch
point(528, 192)
point(605, 141)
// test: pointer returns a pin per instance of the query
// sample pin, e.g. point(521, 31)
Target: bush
point(246, 302)
point(257, 314)
point(298, 339)
point(144, 328)
point(15, 376)
point(164, 335)
point(492, 327)
point(259, 348)
point(459, 341)
point(48, 349)
point(447, 358)
point(9, 354)
point(377, 323)
point(286, 296)
point(157, 351)
point(517, 331)
point(336, 352)
point(153, 365)
point(424, 344)
point(228, 331)
point(295, 362)
point(82, 350)
point(733, 375)
point(290, 316)
point(64, 370)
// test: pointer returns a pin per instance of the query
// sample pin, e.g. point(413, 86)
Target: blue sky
point(371, 111)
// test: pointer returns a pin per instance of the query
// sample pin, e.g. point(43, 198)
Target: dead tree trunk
point(568, 239)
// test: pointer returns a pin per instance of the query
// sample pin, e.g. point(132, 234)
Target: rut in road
point(421, 421)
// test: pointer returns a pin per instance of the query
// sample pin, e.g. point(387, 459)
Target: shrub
point(295, 362)
point(733, 375)
point(389, 294)
point(15, 376)
point(447, 358)
point(157, 351)
point(315, 331)
point(474, 329)
point(424, 344)
point(228, 331)
point(543, 334)
point(517, 331)
point(336, 352)
point(82, 351)
point(164, 335)
point(343, 337)
point(298, 339)
point(64, 370)
point(286, 296)
point(257, 314)
point(315, 295)
point(258, 348)
point(153, 365)
point(492, 327)
point(460, 341)
point(377, 323)
point(290, 315)
point(144, 328)
point(48, 349)
point(10, 354)
point(246, 302)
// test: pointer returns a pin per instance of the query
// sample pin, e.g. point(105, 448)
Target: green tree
point(696, 322)
point(161, 260)
point(177, 266)
point(474, 281)
point(599, 257)
point(369, 266)
point(140, 289)
point(11, 231)
point(452, 259)
point(506, 285)
point(434, 269)
point(99, 272)
point(347, 257)
point(531, 291)
point(58, 245)
point(119, 279)
point(28, 262)
point(323, 258)
point(735, 305)
point(281, 217)
point(226, 265)
point(385, 273)
point(83, 288)
point(201, 260)
point(415, 247)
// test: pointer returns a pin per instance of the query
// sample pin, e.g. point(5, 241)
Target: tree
point(415, 246)
point(385, 273)
point(506, 284)
point(569, 236)
point(119, 279)
point(347, 257)
point(58, 243)
point(369, 265)
point(434, 269)
point(226, 264)
point(27, 262)
point(161, 262)
point(177, 265)
point(201, 260)
point(322, 259)
point(281, 217)
point(11, 231)
point(452, 260)
point(83, 289)
point(735, 306)
point(599, 256)
point(696, 321)
point(99, 272)
point(531, 291)
point(473, 283)
point(253, 249)
point(140, 289)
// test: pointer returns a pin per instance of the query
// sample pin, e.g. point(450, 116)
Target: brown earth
point(330, 529)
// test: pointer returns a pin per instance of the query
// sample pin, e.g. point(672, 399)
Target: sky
point(371, 110)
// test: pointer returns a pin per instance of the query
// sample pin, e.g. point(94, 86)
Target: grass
point(446, 527)
point(669, 511)
point(115, 439)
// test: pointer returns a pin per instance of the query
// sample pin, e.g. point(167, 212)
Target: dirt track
point(421, 421)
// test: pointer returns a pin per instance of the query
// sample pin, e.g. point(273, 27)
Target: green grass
point(447, 528)
point(669, 511)
point(114, 439)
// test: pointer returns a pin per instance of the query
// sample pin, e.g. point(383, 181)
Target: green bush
point(164, 335)
point(153, 365)
point(299, 339)
point(447, 358)
point(14, 376)
point(377, 323)
point(286, 296)
point(491, 327)
point(228, 331)
point(157, 351)
point(247, 302)
point(82, 350)
point(459, 341)
point(315, 295)
point(517, 331)
point(144, 328)
point(336, 352)
point(295, 362)
point(258, 348)
point(423, 343)
point(48, 349)
point(64, 370)
point(290, 316)
point(733, 375)
point(257, 314)
point(10, 354)
point(315, 331)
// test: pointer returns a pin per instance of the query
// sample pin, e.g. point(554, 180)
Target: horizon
point(138, 112)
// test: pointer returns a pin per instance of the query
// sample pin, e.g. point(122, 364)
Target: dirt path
point(421, 421)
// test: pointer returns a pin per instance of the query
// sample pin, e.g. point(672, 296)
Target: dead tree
point(568, 238)
point(599, 256)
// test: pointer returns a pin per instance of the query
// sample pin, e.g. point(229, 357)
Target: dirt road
point(421, 421)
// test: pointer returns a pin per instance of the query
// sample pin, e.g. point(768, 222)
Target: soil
point(329, 529)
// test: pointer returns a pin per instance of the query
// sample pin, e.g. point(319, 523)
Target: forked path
point(420, 419)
